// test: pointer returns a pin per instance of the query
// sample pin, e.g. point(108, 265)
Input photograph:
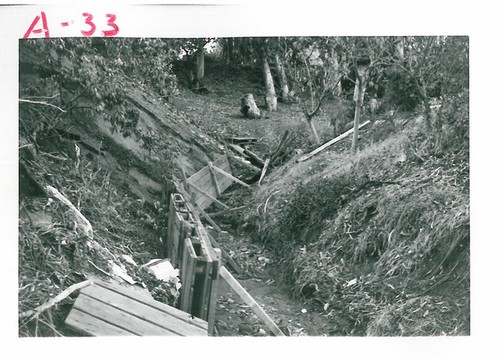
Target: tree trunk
point(285, 91)
point(335, 65)
point(200, 65)
point(271, 100)
point(228, 51)
point(313, 129)
point(425, 99)
point(359, 94)
point(400, 50)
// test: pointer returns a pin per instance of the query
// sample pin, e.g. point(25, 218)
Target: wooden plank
point(225, 255)
point(112, 315)
point(199, 305)
point(176, 238)
point(208, 196)
point(170, 228)
point(205, 182)
point(252, 157)
point(90, 325)
point(186, 229)
point(205, 240)
point(209, 255)
point(142, 311)
point(242, 162)
point(208, 218)
point(187, 274)
point(221, 162)
point(230, 176)
point(212, 300)
point(241, 140)
point(214, 179)
point(248, 299)
point(329, 143)
point(155, 304)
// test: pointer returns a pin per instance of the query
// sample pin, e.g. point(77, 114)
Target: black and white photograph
point(242, 185)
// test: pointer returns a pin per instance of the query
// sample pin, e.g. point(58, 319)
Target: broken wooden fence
point(209, 183)
point(193, 251)
point(189, 248)
point(106, 309)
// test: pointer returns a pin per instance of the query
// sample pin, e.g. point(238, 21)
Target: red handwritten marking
point(88, 21)
point(44, 29)
point(114, 29)
point(111, 22)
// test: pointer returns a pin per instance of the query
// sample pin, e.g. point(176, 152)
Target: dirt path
point(235, 318)
point(217, 113)
point(258, 276)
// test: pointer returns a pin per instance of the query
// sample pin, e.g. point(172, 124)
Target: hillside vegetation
point(373, 239)
point(379, 241)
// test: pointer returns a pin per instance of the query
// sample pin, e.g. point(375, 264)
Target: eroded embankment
point(380, 238)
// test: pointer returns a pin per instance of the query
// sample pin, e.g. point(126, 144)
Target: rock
point(261, 332)
point(245, 329)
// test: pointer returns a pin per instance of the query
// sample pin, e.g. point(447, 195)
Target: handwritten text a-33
point(89, 30)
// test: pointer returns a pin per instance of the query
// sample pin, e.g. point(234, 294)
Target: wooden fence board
point(118, 318)
point(187, 275)
point(155, 304)
point(204, 180)
point(90, 325)
point(170, 236)
point(141, 310)
point(110, 309)
point(212, 300)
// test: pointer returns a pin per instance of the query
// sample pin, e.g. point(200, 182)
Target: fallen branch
point(63, 295)
point(82, 223)
point(41, 103)
point(331, 142)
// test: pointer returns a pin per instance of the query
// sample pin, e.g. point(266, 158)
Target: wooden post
point(213, 293)
point(208, 218)
point(248, 299)
point(230, 176)
point(187, 275)
point(225, 255)
point(214, 179)
point(359, 94)
point(194, 187)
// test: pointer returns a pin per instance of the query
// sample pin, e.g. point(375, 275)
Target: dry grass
point(55, 256)
point(379, 240)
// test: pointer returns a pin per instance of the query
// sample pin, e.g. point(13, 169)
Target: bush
point(401, 91)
